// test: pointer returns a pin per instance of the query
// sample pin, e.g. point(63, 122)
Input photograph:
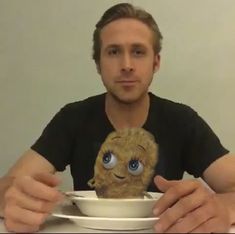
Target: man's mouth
point(126, 81)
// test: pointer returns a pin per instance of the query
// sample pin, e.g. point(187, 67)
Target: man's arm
point(220, 176)
point(29, 163)
point(189, 206)
point(27, 192)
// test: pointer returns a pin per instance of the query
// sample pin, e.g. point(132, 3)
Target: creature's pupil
point(134, 164)
point(107, 158)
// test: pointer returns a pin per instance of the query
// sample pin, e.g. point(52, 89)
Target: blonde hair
point(125, 10)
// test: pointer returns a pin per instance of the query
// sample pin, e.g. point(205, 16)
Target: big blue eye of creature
point(135, 167)
point(109, 160)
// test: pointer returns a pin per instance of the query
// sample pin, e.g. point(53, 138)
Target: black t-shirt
point(73, 137)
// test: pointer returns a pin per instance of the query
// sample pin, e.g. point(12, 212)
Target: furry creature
point(125, 164)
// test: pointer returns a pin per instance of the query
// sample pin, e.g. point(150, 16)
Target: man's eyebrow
point(142, 147)
point(112, 46)
point(138, 45)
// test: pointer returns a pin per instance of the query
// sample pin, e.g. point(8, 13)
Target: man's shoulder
point(85, 104)
point(82, 109)
point(169, 111)
point(167, 105)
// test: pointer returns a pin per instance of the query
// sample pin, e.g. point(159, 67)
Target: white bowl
point(89, 204)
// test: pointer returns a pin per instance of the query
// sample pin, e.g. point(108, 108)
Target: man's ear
point(98, 68)
point(156, 63)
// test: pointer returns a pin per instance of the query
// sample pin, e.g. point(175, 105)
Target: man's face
point(127, 60)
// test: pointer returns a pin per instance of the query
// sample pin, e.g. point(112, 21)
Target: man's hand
point(188, 206)
point(29, 201)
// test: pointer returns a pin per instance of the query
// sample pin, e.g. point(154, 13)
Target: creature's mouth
point(119, 177)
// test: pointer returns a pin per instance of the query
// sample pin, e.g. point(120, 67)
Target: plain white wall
point(45, 62)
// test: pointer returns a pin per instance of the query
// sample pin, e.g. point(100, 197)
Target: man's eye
point(113, 51)
point(138, 52)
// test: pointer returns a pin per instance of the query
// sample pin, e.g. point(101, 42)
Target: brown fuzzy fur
point(126, 145)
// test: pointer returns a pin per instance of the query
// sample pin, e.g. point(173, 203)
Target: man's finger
point(38, 189)
point(163, 184)
point(48, 179)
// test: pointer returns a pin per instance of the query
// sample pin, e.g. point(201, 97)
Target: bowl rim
point(78, 197)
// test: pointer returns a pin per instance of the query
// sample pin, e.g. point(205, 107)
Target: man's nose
point(127, 64)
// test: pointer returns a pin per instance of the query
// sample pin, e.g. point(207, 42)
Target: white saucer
point(71, 212)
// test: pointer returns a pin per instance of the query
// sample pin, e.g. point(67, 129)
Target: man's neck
point(127, 115)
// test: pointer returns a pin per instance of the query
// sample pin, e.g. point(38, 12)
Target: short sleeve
point(202, 146)
point(56, 140)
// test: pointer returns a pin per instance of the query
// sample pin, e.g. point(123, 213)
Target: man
point(126, 49)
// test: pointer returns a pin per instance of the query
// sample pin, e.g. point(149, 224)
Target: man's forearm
point(5, 183)
point(228, 199)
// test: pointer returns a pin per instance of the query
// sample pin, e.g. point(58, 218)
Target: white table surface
point(60, 225)
point(63, 225)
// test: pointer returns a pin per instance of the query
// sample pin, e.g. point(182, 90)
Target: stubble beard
point(127, 102)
